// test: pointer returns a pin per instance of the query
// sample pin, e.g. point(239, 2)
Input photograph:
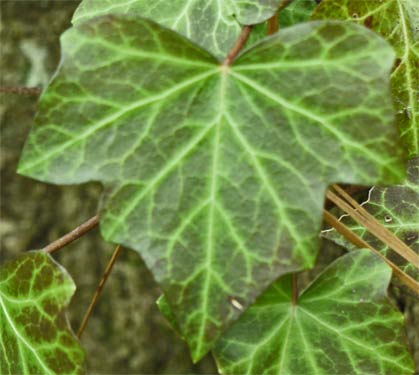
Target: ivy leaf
point(342, 324)
point(398, 22)
point(212, 174)
point(397, 208)
point(35, 337)
point(298, 11)
point(212, 24)
point(250, 12)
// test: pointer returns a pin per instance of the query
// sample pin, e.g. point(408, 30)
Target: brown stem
point(73, 235)
point(295, 289)
point(359, 242)
point(241, 42)
point(273, 24)
point(99, 289)
point(36, 91)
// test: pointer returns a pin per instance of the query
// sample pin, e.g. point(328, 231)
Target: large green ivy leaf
point(398, 22)
point(212, 24)
point(35, 337)
point(397, 208)
point(342, 324)
point(216, 174)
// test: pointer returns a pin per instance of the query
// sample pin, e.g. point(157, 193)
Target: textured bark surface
point(126, 334)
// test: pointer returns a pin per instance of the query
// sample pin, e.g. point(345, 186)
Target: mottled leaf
point(212, 24)
point(35, 337)
point(395, 207)
point(398, 22)
point(342, 324)
point(212, 173)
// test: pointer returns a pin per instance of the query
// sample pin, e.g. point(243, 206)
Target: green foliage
point(398, 22)
point(35, 337)
point(216, 173)
point(194, 155)
point(342, 324)
point(397, 208)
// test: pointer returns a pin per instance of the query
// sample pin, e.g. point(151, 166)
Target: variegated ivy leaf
point(212, 24)
point(216, 174)
point(35, 337)
point(398, 22)
point(397, 208)
point(342, 324)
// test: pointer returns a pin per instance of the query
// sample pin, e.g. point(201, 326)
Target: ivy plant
point(215, 156)
point(206, 148)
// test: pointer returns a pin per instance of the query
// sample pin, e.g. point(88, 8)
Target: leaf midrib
point(340, 334)
point(107, 121)
point(20, 337)
point(121, 52)
point(308, 114)
point(209, 255)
